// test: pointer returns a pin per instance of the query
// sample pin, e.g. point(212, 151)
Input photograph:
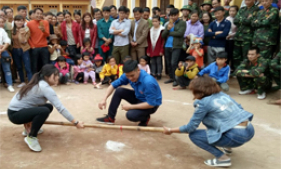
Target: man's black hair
point(106, 8)
point(97, 10)
point(5, 7)
point(59, 13)
point(6, 11)
point(21, 8)
point(77, 13)
point(257, 49)
point(146, 9)
point(219, 1)
point(130, 66)
point(40, 9)
point(49, 13)
point(138, 9)
point(174, 11)
point(219, 8)
point(112, 6)
point(122, 9)
point(171, 6)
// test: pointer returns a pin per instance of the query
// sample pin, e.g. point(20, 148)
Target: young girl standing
point(143, 64)
point(230, 42)
point(155, 47)
point(78, 72)
point(63, 68)
point(206, 20)
point(21, 48)
point(87, 65)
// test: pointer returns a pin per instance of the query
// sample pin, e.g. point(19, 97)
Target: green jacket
point(243, 20)
point(266, 24)
point(178, 33)
point(194, 7)
point(103, 30)
point(261, 66)
point(275, 63)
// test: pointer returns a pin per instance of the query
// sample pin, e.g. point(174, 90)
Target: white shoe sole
point(218, 165)
point(105, 123)
point(25, 140)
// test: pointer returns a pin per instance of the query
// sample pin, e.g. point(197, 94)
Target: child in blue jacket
point(218, 71)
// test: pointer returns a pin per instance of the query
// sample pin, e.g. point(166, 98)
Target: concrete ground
point(66, 147)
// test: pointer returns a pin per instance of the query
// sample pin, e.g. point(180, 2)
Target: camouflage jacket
point(261, 66)
point(276, 62)
point(243, 21)
point(266, 24)
point(194, 7)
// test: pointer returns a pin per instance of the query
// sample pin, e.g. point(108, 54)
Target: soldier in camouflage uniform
point(244, 35)
point(193, 5)
point(206, 7)
point(275, 68)
point(266, 24)
point(186, 10)
point(253, 73)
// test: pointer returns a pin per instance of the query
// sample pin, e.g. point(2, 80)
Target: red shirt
point(199, 59)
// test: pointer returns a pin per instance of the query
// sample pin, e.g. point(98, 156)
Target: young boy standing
point(218, 71)
point(186, 72)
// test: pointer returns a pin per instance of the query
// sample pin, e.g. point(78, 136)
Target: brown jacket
point(24, 38)
point(141, 32)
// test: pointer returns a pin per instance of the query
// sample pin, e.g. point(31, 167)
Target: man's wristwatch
point(76, 123)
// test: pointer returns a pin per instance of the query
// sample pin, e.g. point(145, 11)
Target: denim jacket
point(219, 113)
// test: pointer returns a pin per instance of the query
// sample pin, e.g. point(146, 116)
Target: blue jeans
point(22, 57)
point(6, 66)
point(235, 137)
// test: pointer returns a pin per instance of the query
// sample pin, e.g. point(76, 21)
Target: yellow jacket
point(120, 72)
point(107, 70)
point(190, 73)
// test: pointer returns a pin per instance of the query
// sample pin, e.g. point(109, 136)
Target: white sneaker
point(262, 96)
point(21, 85)
point(11, 89)
point(33, 143)
point(245, 91)
point(24, 133)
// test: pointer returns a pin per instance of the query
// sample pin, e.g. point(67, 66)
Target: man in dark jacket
point(174, 35)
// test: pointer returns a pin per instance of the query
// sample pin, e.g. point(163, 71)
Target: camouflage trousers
point(266, 51)
point(240, 52)
point(259, 83)
point(275, 75)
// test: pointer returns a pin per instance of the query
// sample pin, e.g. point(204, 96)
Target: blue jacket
point(222, 75)
point(218, 40)
point(219, 113)
point(146, 88)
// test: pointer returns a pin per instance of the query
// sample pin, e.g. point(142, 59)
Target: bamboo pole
point(120, 127)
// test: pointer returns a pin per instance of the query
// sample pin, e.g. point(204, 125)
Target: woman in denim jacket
point(228, 124)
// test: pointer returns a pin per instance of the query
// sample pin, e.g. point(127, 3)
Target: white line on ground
point(3, 112)
point(268, 128)
point(175, 101)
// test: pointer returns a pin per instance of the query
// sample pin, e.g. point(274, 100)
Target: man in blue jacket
point(218, 31)
point(143, 100)
point(218, 71)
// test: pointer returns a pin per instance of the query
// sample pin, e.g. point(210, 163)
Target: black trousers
point(229, 48)
point(36, 115)
point(39, 56)
point(80, 77)
point(156, 65)
point(172, 57)
point(133, 115)
point(109, 78)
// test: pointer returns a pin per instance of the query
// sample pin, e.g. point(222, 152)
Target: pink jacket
point(77, 69)
point(64, 71)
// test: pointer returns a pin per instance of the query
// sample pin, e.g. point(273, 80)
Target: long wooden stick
point(136, 128)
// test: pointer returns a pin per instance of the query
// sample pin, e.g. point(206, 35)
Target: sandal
point(216, 163)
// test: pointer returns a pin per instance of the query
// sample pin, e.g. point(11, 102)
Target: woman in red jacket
point(70, 33)
point(87, 30)
point(155, 49)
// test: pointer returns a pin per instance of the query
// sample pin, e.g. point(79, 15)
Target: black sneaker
point(175, 84)
point(159, 77)
point(168, 81)
point(144, 123)
point(106, 120)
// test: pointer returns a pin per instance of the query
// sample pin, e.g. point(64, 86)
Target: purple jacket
point(196, 29)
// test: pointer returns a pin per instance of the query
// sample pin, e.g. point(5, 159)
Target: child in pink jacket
point(63, 68)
